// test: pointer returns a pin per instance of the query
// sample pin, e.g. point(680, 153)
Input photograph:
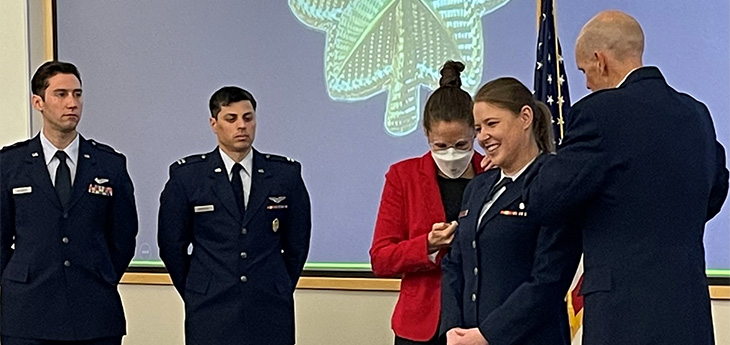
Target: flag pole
point(561, 121)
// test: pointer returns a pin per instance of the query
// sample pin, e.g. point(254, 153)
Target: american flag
point(551, 85)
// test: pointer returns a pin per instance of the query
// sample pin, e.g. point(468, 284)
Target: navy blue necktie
point(63, 179)
point(237, 186)
point(502, 183)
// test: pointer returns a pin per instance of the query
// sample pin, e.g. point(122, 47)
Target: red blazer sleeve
point(393, 252)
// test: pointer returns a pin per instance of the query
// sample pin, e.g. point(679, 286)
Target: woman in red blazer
point(419, 207)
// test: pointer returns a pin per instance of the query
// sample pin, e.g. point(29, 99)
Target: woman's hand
point(461, 336)
point(441, 236)
point(487, 163)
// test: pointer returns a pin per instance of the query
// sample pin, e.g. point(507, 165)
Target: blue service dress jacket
point(509, 275)
point(641, 172)
point(60, 267)
point(238, 282)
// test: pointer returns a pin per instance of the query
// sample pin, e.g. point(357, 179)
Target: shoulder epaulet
point(103, 147)
point(192, 159)
point(16, 145)
point(277, 158)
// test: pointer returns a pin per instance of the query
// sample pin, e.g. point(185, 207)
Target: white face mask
point(452, 162)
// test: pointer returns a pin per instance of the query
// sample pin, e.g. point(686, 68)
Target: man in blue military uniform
point(68, 224)
point(246, 216)
point(641, 172)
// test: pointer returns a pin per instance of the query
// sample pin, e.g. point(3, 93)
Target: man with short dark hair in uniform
point(234, 231)
point(68, 223)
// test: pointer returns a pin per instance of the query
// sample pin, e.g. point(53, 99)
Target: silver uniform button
point(244, 279)
point(244, 255)
point(473, 297)
point(64, 240)
point(476, 270)
point(67, 263)
point(244, 231)
point(474, 244)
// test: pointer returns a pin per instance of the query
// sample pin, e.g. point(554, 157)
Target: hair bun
point(450, 74)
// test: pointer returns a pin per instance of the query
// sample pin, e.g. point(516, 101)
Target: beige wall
point(154, 313)
point(14, 84)
point(155, 316)
point(323, 317)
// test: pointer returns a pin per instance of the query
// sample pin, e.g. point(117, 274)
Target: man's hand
point(461, 336)
point(441, 236)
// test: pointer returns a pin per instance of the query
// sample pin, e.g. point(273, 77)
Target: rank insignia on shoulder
point(191, 159)
point(104, 147)
point(279, 158)
point(18, 144)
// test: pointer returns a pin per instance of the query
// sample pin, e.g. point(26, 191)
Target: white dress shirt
point(49, 153)
point(247, 163)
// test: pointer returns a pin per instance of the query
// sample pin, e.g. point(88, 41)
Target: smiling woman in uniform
point(505, 277)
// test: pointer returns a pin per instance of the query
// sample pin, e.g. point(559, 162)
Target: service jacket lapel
point(85, 170)
point(512, 193)
point(39, 172)
point(221, 185)
point(260, 186)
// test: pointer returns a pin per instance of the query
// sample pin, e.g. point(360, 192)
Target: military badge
point(100, 190)
point(204, 208)
point(275, 225)
point(277, 199)
point(276, 207)
point(513, 213)
point(22, 190)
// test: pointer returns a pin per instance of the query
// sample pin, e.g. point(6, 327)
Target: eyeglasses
point(459, 145)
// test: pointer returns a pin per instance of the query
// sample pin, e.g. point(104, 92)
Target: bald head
point(615, 32)
point(610, 45)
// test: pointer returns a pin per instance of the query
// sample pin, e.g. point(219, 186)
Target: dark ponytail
point(449, 102)
point(542, 127)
